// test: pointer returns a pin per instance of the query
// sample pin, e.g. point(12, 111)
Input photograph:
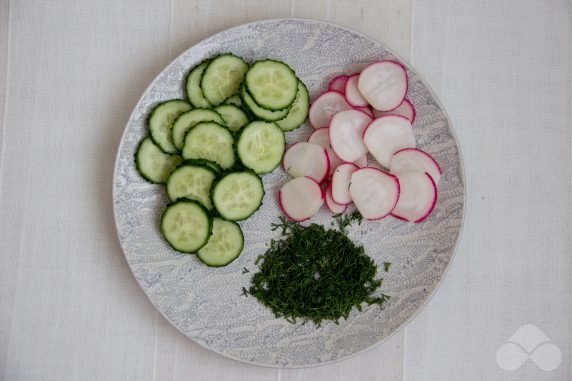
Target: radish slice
point(338, 84)
point(367, 110)
point(325, 106)
point(383, 84)
point(413, 160)
point(418, 197)
point(307, 159)
point(332, 205)
point(321, 137)
point(352, 93)
point(387, 135)
point(341, 183)
point(374, 192)
point(361, 162)
point(346, 130)
point(405, 109)
point(300, 198)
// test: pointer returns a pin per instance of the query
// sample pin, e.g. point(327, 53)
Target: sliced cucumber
point(272, 84)
point(298, 112)
point(261, 146)
point(234, 117)
point(259, 112)
point(192, 181)
point(225, 244)
point(222, 78)
point(153, 164)
point(161, 122)
point(209, 163)
point(188, 119)
point(238, 195)
point(186, 225)
point(193, 86)
point(211, 141)
point(234, 100)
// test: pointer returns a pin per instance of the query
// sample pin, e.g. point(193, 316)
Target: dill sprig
point(315, 274)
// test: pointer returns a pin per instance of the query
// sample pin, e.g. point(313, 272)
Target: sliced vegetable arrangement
point(360, 114)
point(211, 149)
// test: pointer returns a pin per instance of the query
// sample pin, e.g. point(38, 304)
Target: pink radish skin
point(374, 192)
point(383, 84)
point(300, 198)
point(411, 160)
point(321, 137)
point(367, 110)
point(341, 183)
point(346, 130)
point(352, 93)
point(332, 205)
point(325, 107)
point(418, 197)
point(386, 135)
point(405, 109)
point(338, 84)
point(307, 159)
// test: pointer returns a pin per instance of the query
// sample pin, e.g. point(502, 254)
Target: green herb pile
point(315, 274)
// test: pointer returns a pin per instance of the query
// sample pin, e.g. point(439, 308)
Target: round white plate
point(206, 303)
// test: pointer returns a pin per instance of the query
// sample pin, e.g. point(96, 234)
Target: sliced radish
point(374, 192)
point(405, 109)
point(321, 137)
point(332, 205)
point(346, 130)
point(367, 110)
point(383, 84)
point(387, 135)
point(418, 197)
point(361, 162)
point(325, 106)
point(410, 160)
point(300, 198)
point(307, 159)
point(338, 84)
point(352, 93)
point(341, 183)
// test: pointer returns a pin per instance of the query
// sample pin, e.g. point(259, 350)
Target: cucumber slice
point(189, 119)
point(298, 112)
point(261, 146)
point(222, 78)
point(202, 162)
point(259, 112)
point(186, 225)
point(192, 181)
point(238, 195)
point(234, 117)
point(272, 84)
point(193, 86)
point(161, 122)
point(153, 164)
point(225, 244)
point(234, 100)
point(211, 141)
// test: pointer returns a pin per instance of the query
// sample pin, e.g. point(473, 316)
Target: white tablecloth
point(70, 74)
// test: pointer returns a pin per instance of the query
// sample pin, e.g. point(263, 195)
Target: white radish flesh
point(413, 160)
point(346, 130)
point(341, 183)
point(300, 198)
point(374, 192)
point(383, 84)
point(418, 197)
point(307, 159)
point(332, 205)
point(321, 137)
point(352, 93)
point(367, 110)
point(405, 109)
point(361, 162)
point(325, 107)
point(338, 84)
point(387, 135)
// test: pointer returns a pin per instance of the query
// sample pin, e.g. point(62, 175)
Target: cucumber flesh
point(192, 181)
point(193, 86)
point(188, 120)
point(272, 84)
point(238, 195)
point(234, 117)
point(211, 141)
point(224, 245)
point(222, 78)
point(261, 146)
point(234, 100)
point(161, 123)
point(186, 225)
point(153, 164)
point(298, 112)
point(259, 112)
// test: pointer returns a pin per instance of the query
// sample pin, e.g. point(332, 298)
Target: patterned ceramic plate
point(206, 303)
